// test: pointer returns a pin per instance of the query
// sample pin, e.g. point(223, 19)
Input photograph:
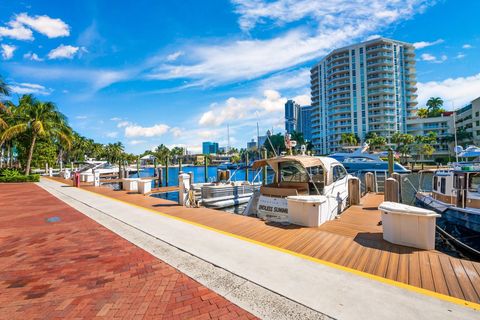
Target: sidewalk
point(57, 263)
point(320, 287)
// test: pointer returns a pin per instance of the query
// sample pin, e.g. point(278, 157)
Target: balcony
point(339, 77)
point(379, 84)
point(380, 62)
point(379, 55)
point(377, 91)
point(382, 47)
point(338, 63)
point(378, 69)
point(338, 83)
point(339, 90)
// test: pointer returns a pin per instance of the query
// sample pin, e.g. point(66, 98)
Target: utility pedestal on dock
point(183, 189)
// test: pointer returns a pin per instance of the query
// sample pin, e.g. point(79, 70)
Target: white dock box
point(144, 186)
point(130, 184)
point(306, 210)
point(408, 226)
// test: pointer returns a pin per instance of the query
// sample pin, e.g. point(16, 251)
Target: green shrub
point(10, 173)
point(20, 178)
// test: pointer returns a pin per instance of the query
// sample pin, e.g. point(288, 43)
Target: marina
point(353, 241)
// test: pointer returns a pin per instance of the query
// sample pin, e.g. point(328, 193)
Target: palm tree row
point(38, 128)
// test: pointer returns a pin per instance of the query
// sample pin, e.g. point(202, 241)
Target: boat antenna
point(455, 131)
point(270, 141)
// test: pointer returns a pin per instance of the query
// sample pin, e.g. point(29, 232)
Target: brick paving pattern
point(57, 263)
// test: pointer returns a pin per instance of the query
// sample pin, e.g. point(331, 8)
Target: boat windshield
point(358, 159)
point(292, 171)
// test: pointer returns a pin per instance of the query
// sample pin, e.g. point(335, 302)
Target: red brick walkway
point(75, 268)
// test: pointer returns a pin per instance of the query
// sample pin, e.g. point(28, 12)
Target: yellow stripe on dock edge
point(458, 301)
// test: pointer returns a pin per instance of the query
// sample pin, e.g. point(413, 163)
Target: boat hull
point(461, 224)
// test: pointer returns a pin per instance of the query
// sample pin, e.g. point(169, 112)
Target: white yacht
point(361, 160)
point(306, 190)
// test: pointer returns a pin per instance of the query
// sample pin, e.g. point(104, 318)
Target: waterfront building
point(365, 87)
point(210, 147)
point(291, 116)
point(304, 122)
point(443, 126)
point(468, 119)
point(251, 145)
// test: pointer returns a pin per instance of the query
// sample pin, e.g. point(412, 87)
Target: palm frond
point(13, 131)
point(38, 127)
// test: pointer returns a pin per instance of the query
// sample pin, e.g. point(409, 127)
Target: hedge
point(29, 178)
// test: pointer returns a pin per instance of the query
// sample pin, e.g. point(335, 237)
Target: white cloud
point(50, 27)
point(174, 56)
point(460, 90)
point(287, 80)
point(115, 119)
point(176, 132)
point(96, 78)
point(427, 57)
point(431, 58)
point(7, 51)
point(112, 134)
point(337, 23)
point(303, 100)
point(133, 130)
point(136, 142)
point(16, 30)
point(63, 52)
point(32, 56)
point(81, 117)
point(467, 46)
point(373, 36)
point(123, 124)
point(424, 44)
point(235, 109)
point(460, 55)
point(30, 88)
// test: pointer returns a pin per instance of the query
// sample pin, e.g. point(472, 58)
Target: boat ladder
point(380, 177)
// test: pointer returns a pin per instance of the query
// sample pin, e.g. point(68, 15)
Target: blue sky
point(177, 72)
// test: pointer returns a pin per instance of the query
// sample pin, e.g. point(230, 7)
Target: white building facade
point(366, 87)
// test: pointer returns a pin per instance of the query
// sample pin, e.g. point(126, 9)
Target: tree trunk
point(2, 150)
point(9, 154)
point(30, 155)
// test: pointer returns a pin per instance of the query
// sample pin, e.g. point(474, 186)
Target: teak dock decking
point(353, 241)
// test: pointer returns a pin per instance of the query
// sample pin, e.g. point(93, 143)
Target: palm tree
point(422, 113)
point(4, 89)
point(349, 139)
point(434, 105)
point(38, 119)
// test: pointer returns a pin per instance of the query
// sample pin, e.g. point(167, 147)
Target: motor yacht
point(306, 190)
point(361, 160)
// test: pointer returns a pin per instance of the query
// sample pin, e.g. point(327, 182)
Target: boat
point(219, 195)
point(361, 160)
point(228, 166)
point(454, 193)
point(301, 184)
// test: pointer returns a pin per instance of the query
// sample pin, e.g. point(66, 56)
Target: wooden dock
point(354, 241)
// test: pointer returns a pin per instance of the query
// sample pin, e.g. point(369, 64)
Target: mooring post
point(397, 177)
point(205, 168)
point(138, 167)
point(166, 171)
point(180, 166)
point(246, 166)
point(391, 190)
point(264, 176)
point(160, 176)
point(369, 182)
point(390, 162)
point(354, 191)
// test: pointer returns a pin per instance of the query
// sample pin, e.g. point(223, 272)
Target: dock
point(353, 242)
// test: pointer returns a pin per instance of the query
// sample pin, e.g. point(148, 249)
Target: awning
point(305, 161)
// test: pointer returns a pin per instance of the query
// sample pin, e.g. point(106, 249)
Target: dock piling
point(246, 166)
point(391, 190)
point(369, 182)
point(397, 177)
point(354, 191)
point(166, 171)
point(205, 168)
point(264, 175)
point(390, 162)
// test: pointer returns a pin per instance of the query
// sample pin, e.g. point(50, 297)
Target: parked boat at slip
point(306, 190)
point(361, 160)
point(455, 194)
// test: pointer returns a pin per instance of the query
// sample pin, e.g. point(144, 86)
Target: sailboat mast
point(228, 138)
point(258, 142)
